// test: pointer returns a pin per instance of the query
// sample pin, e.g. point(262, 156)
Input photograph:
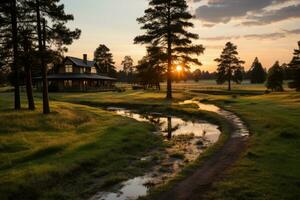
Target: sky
point(267, 29)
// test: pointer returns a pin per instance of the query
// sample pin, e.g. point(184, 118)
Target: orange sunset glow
point(273, 40)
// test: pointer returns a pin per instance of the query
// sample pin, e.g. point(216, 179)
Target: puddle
point(171, 126)
point(240, 127)
point(187, 140)
point(131, 189)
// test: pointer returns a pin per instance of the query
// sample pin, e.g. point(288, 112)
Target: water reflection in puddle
point(240, 127)
point(130, 190)
point(173, 126)
point(187, 141)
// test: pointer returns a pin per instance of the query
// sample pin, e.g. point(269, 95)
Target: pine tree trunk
point(229, 78)
point(169, 128)
point(29, 92)
point(15, 54)
point(46, 107)
point(169, 78)
point(169, 52)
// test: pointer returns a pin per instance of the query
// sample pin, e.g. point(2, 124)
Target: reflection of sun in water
point(179, 68)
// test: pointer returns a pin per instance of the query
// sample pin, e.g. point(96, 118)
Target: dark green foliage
point(151, 68)
point(4, 71)
point(275, 78)
point(166, 23)
point(257, 72)
point(104, 60)
point(230, 66)
point(9, 17)
point(35, 31)
point(295, 69)
point(238, 75)
point(197, 75)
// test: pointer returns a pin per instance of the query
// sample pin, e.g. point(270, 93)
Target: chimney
point(85, 58)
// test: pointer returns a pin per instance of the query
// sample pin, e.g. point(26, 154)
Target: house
point(77, 74)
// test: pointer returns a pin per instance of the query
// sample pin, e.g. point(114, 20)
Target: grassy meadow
point(64, 155)
point(56, 156)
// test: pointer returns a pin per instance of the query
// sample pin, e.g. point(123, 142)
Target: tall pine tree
point(166, 23)
point(9, 43)
point(230, 66)
point(54, 35)
point(22, 46)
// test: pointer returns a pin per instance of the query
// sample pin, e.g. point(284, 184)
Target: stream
point(188, 140)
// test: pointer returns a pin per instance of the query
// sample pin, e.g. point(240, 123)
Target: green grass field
point(39, 152)
point(270, 167)
point(64, 155)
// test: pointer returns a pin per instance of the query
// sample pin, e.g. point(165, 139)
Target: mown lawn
point(71, 153)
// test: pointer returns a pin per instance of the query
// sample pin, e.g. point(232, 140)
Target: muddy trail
point(196, 185)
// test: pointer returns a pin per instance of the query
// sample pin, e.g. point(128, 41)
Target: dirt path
point(195, 186)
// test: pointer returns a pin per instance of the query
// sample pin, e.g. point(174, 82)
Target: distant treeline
point(256, 74)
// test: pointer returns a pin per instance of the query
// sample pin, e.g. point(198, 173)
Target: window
point(94, 70)
point(82, 70)
point(69, 68)
point(68, 83)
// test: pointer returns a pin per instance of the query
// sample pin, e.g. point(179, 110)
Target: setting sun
point(179, 68)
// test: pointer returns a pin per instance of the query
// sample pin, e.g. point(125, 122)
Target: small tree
point(104, 60)
point(197, 75)
point(127, 64)
point(229, 66)
point(295, 69)
point(275, 78)
point(257, 72)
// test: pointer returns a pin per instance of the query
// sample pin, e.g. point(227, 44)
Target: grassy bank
point(270, 167)
point(64, 155)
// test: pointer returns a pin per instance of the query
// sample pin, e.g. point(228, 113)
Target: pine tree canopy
point(257, 72)
point(275, 78)
point(104, 60)
point(295, 69)
point(167, 20)
point(127, 64)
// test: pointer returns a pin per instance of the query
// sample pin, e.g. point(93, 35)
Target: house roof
point(80, 63)
point(77, 76)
